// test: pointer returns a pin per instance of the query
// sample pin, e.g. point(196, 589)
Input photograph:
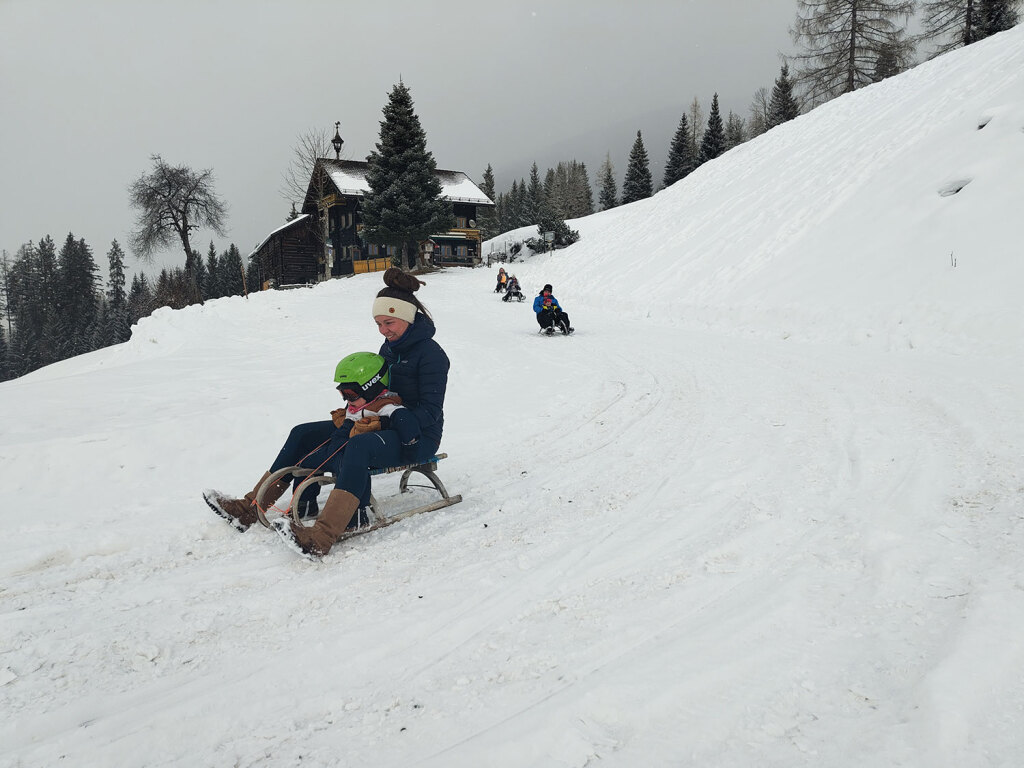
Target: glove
point(338, 417)
point(406, 425)
point(391, 398)
point(365, 424)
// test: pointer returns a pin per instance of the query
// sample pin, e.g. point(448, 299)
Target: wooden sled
point(428, 469)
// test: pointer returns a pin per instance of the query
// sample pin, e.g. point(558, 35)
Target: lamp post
point(337, 141)
point(325, 211)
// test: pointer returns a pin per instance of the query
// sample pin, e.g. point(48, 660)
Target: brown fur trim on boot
point(241, 513)
point(316, 541)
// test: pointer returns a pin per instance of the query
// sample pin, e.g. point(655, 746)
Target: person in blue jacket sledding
point(550, 314)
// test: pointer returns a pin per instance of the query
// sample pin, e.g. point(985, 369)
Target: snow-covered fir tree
point(76, 297)
point(534, 196)
point(487, 217)
point(140, 298)
point(638, 183)
point(404, 204)
point(782, 106)
point(608, 196)
point(735, 131)
point(680, 157)
point(712, 144)
point(998, 16)
point(212, 288)
point(117, 329)
point(231, 278)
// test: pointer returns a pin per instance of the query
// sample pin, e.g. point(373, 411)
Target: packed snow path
point(675, 545)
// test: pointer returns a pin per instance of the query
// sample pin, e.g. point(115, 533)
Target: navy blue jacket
point(419, 374)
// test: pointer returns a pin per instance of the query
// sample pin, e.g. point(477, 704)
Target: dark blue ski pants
point(348, 459)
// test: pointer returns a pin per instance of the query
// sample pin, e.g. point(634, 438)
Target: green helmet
point(361, 374)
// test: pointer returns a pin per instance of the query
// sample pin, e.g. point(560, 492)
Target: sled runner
point(377, 518)
point(552, 331)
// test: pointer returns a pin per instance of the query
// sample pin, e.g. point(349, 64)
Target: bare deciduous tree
point(955, 23)
point(696, 123)
point(173, 201)
point(309, 147)
point(759, 108)
point(842, 40)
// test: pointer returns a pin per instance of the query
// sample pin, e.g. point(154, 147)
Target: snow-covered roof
point(287, 224)
point(349, 176)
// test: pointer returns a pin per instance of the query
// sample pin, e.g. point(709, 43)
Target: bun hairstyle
point(401, 285)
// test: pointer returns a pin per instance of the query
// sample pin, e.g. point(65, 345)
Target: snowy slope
point(764, 508)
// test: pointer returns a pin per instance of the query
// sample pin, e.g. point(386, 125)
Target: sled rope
point(289, 508)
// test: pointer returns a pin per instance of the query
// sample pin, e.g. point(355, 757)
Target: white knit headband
point(403, 310)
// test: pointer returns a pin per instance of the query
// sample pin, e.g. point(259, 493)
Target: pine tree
point(488, 219)
point(580, 192)
point(512, 207)
point(5, 293)
point(886, 65)
point(42, 343)
point(201, 275)
point(712, 144)
point(680, 159)
point(608, 196)
point(255, 274)
point(783, 106)
point(231, 272)
point(212, 287)
point(77, 297)
point(840, 41)
point(554, 192)
point(100, 328)
point(997, 16)
point(585, 193)
point(638, 183)
point(140, 299)
point(5, 373)
point(117, 328)
point(500, 214)
point(534, 196)
point(735, 131)
point(523, 205)
point(404, 204)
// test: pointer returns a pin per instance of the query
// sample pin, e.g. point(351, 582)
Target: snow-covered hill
point(764, 508)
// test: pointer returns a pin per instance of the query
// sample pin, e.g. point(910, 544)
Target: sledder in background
point(550, 314)
point(512, 290)
point(502, 280)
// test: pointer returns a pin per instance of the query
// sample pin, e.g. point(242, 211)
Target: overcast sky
point(90, 90)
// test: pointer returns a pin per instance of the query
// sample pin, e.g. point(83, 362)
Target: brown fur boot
point(316, 541)
point(241, 513)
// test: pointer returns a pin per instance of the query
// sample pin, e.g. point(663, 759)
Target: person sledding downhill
point(550, 314)
point(362, 380)
point(512, 290)
point(394, 416)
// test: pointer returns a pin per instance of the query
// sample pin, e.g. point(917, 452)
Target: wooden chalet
point(325, 241)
